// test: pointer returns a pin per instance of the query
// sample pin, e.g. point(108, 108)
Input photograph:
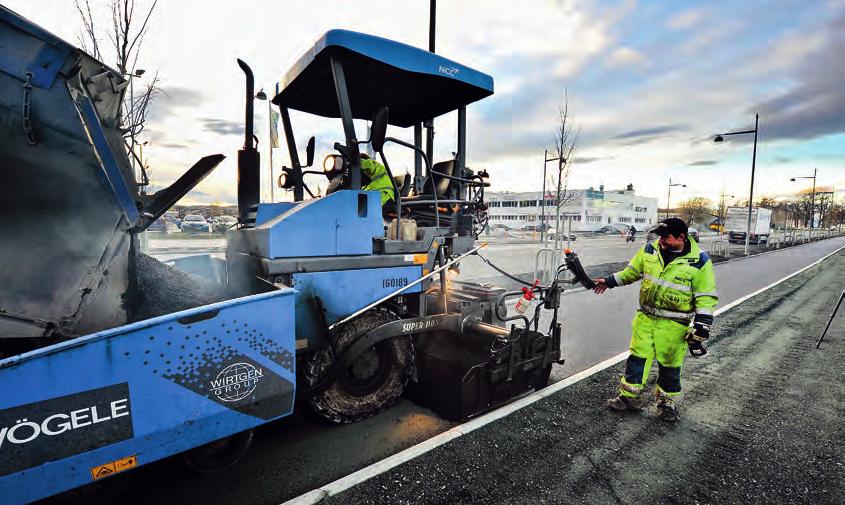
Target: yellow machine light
point(420, 259)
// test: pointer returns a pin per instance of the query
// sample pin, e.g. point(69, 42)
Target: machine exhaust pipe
point(249, 159)
point(481, 333)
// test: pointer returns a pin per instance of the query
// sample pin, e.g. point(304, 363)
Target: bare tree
point(566, 139)
point(696, 209)
point(128, 28)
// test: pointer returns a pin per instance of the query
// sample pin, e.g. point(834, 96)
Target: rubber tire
point(339, 405)
point(220, 454)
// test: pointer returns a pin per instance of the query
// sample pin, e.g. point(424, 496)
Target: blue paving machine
point(111, 361)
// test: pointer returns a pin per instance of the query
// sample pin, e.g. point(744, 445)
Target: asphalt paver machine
point(336, 299)
point(374, 309)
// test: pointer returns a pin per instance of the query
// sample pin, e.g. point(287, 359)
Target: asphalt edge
point(379, 467)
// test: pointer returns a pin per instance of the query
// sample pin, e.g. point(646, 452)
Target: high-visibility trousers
point(654, 338)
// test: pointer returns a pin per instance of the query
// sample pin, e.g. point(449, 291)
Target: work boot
point(620, 403)
point(666, 408)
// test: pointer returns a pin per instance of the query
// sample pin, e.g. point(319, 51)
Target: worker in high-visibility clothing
point(677, 300)
point(379, 178)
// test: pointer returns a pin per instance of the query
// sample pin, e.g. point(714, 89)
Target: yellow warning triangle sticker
point(103, 471)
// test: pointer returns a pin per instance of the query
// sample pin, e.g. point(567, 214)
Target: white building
point(588, 209)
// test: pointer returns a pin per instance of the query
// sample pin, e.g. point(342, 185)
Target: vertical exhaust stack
point(248, 158)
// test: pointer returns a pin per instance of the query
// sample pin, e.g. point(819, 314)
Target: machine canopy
point(414, 84)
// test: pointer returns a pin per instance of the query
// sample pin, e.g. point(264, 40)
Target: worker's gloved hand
point(697, 349)
point(698, 333)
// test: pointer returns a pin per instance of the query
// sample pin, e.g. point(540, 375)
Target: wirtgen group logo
point(236, 382)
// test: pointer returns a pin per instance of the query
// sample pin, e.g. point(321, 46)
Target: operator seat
point(403, 182)
point(442, 184)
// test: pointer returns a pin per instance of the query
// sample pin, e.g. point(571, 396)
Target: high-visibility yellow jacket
point(683, 290)
point(379, 179)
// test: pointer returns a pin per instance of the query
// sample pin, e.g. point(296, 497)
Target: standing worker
point(678, 288)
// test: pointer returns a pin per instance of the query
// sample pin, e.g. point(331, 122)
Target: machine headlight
point(333, 163)
point(284, 181)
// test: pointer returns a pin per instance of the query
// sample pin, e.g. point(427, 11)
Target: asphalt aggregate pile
point(761, 422)
point(162, 289)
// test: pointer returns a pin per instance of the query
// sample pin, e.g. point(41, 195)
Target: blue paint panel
point(192, 377)
point(327, 226)
point(267, 211)
point(110, 174)
point(26, 47)
point(344, 292)
point(397, 54)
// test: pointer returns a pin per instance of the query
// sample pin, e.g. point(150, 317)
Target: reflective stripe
point(667, 284)
point(632, 267)
point(668, 314)
point(708, 293)
point(707, 311)
point(618, 280)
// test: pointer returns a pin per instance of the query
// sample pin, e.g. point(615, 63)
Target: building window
point(640, 209)
point(624, 219)
point(640, 220)
point(593, 219)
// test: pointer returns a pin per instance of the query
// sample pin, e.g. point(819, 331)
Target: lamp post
point(261, 95)
point(812, 198)
point(669, 195)
point(546, 159)
point(720, 138)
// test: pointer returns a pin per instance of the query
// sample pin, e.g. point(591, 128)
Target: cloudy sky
point(649, 83)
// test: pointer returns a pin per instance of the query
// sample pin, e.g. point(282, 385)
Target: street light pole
point(812, 197)
point(669, 195)
point(719, 138)
point(543, 226)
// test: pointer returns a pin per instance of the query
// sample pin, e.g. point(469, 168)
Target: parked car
point(221, 224)
point(163, 225)
point(693, 233)
point(500, 226)
point(610, 230)
point(194, 223)
point(552, 234)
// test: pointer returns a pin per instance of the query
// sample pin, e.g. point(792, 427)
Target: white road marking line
point(344, 483)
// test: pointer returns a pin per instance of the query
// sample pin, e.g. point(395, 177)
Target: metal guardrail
point(717, 246)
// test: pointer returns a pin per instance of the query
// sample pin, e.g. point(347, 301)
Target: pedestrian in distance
point(676, 305)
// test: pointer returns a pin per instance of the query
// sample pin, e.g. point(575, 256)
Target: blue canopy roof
point(413, 83)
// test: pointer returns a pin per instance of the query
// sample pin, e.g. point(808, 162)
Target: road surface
point(761, 423)
point(295, 455)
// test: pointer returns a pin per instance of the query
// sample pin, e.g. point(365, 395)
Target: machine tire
point(373, 382)
point(220, 454)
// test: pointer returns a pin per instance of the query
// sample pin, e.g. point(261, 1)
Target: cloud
point(178, 95)
point(583, 160)
point(222, 126)
point(648, 133)
point(815, 105)
point(625, 57)
point(686, 19)
point(702, 163)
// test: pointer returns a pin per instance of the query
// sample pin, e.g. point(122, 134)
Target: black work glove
point(697, 349)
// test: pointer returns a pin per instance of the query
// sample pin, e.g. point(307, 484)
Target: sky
point(649, 83)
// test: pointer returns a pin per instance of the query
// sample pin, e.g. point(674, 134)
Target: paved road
point(761, 423)
point(297, 454)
